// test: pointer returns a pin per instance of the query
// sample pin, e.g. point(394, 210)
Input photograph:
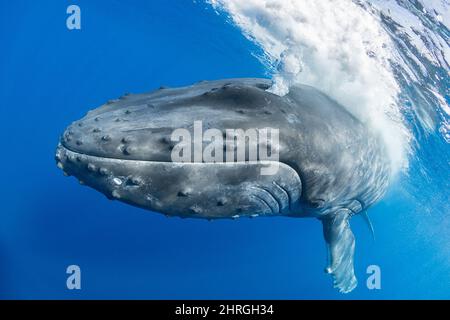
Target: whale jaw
point(194, 190)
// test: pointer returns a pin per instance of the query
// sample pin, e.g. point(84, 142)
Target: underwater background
point(50, 76)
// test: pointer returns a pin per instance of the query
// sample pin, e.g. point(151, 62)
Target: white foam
point(333, 45)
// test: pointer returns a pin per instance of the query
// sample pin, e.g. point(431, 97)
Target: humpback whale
point(330, 165)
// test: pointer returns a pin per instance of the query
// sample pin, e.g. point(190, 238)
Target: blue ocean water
point(50, 76)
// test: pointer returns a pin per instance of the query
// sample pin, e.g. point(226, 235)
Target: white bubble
point(335, 46)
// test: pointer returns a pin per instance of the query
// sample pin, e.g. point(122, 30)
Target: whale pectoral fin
point(341, 247)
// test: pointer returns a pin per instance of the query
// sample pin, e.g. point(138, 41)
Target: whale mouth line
point(78, 153)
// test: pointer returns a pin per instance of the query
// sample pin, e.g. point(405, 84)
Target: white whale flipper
point(341, 247)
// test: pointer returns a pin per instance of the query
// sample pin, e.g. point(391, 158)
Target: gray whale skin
point(331, 166)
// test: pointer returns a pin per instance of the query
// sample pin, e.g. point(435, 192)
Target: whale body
point(330, 165)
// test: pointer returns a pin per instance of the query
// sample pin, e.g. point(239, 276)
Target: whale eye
point(263, 86)
point(318, 203)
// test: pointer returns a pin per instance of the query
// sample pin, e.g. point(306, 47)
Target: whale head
point(129, 149)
